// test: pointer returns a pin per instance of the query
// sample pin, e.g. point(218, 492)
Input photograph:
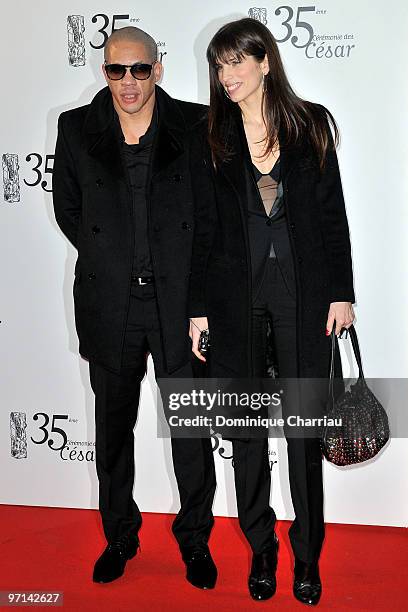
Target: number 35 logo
point(287, 14)
point(38, 171)
point(287, 23)
point(52, 442)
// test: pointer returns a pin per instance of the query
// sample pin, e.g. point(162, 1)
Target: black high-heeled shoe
point(262, 579)
point(307, 586)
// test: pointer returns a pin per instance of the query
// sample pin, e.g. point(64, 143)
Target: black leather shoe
point(307, 586)
point(111, 564)
point(201, 570)
point(262, 580)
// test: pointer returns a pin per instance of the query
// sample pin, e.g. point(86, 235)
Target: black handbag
point(364, 428)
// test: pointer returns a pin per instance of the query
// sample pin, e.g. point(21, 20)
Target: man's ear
point(157, 71)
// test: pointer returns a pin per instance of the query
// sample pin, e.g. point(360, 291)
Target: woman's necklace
point(256, 138)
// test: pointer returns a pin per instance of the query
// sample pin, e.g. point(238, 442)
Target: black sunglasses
point(139, 71)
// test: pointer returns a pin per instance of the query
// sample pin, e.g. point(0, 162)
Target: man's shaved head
point(132, 34)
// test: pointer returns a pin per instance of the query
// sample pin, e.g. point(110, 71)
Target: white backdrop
point(353, 66)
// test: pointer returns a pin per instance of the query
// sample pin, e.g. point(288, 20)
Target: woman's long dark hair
point(283, 110)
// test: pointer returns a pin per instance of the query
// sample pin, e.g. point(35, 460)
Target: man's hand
point(342, 313)
point(197, 325)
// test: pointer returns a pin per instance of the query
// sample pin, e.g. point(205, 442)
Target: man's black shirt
point(137, 159)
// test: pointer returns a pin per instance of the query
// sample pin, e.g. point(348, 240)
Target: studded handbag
point(361, 426)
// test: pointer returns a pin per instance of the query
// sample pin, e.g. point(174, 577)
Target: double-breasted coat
point(221, 284)
point(93, 207)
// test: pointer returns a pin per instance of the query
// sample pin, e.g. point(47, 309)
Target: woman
point(271, 240)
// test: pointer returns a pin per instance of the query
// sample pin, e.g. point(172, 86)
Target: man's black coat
point(221, 269)
point(93, 207)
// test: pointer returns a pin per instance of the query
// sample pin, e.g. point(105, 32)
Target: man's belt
point(142, 280)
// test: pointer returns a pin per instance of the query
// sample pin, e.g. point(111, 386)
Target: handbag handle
point(356, 349)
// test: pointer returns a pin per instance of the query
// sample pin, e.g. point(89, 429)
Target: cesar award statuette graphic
point(259, 14)
point(11, 181)
point(76, 40)
point(18, 426)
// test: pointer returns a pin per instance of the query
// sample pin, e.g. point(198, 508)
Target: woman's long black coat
point(220, 284)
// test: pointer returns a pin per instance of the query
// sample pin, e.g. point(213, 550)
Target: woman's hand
point(197, 325)
point(342, 313)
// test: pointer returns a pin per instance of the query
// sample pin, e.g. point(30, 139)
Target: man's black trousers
point(116, 407)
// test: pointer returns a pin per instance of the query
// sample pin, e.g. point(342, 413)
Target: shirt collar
point(147, 137)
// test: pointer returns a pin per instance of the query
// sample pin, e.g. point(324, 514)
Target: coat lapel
point(289, 157)
point(170, 136)
point(233, 168)
point(102, 136)
point(168, 147)
point(294, 158)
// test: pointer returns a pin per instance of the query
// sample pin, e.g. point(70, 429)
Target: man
point(122, 197)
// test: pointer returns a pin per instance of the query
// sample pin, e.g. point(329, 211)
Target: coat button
point(292, 226)
point(300, 259)
point(268, 222)
point(92, 276)
point(185, 226)
point(177, 178)
point(156, 228)
point(96, 229)
point(99, 182)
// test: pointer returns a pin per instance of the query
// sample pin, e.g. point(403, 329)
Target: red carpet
point(362, 568)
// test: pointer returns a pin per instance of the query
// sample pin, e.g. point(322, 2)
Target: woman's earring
point(226, 93)
point(264, 82)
